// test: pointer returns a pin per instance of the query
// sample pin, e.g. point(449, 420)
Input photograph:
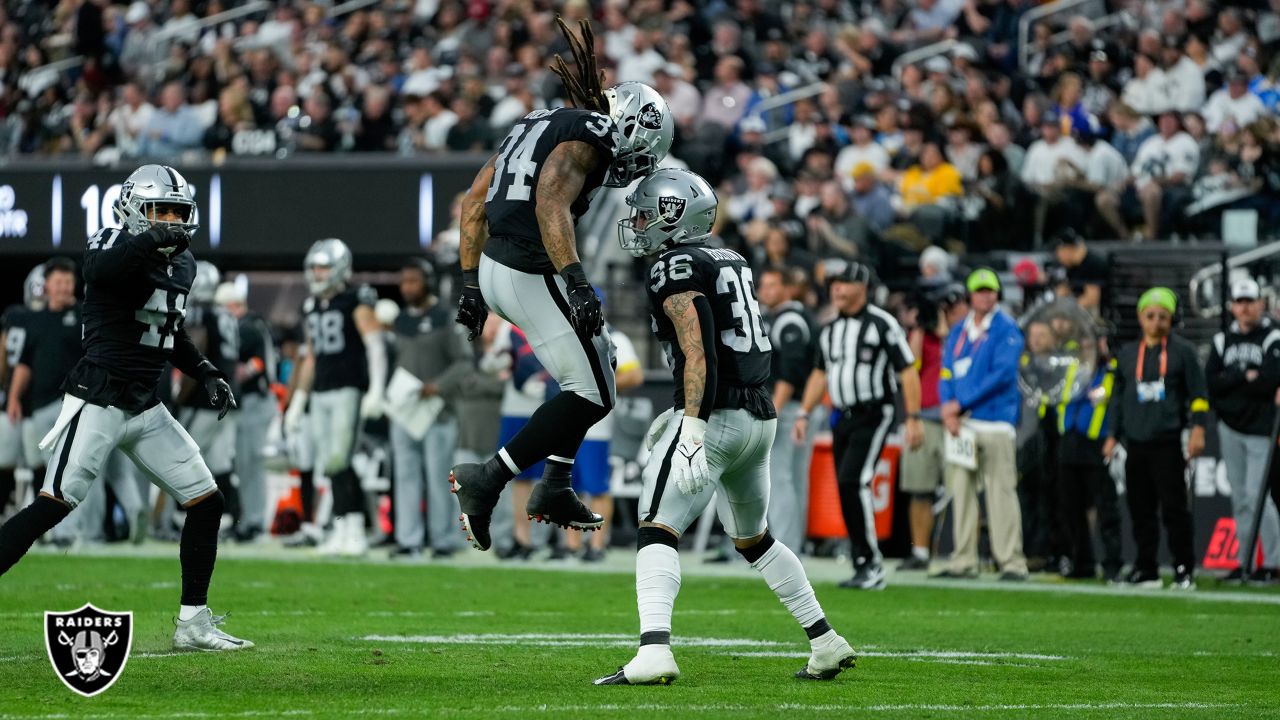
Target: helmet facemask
point(149, 188)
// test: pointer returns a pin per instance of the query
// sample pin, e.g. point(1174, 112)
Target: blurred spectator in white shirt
point(863, 149)
point(1147, 92)
point(1233, 104)
point(1183, 78)
point(725, 101)
point(439, 119)
point(643, 60)
point(129, 118)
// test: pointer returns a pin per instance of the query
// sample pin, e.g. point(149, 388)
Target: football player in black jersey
point(13, 336)
point(51, 350)
point(216, 334)
point(344, 375)
point(718, 434)
point(137, 279)
point(520, 212)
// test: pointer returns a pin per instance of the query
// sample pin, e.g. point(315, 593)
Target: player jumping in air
point(716, 438)
point(137, 281)
point(520, 211)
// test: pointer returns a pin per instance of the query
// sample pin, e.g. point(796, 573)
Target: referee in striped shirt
point(860, 352)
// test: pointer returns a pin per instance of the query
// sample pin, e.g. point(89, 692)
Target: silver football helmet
point(671, 206)
point(152, 185)
point(33, 288)
point(645, 131)
point(333, 254)
point(205, 286)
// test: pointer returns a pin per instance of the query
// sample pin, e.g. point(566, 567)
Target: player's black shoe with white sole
point(477, 496)
point(561, 506)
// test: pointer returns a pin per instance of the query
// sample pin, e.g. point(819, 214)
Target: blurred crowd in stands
point(1126, 120)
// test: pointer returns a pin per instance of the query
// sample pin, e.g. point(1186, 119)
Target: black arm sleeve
point(112, 258)
point(187, 358)
point(707, 324)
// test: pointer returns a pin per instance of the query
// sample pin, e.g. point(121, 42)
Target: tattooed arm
point(563, 175)
point(690, 313)
point(473, 227)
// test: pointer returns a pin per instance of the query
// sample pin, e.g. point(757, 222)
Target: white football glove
point(296, 411)
point(372, 405)
point(689, 462)
point(657, 427)
point(535, 388)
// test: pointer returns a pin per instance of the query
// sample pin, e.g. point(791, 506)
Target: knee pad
point(757, 551)
point(589, 409)
point(210, 508)
point(656, 536)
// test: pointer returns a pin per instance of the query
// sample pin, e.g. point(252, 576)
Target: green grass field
point(481, 640)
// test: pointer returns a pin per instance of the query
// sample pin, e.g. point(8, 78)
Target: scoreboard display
point(253, 208)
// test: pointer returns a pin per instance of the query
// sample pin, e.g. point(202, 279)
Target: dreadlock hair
point(583, 87)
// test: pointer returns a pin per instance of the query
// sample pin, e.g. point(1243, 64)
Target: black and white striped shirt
point(862, 355)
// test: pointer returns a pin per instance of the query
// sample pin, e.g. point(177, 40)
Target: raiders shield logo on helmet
point(671, 209)
point(650, 117)
point(88, 647)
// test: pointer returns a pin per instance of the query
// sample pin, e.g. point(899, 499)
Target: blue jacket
point(982, 375)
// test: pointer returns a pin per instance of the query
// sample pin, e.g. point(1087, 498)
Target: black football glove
point(472, 310)
point(218, 389)
point(585, 313)
point(164, 240)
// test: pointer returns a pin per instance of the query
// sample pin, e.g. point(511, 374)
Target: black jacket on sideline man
point(1246, 406)
point(794, 335)
point(1185, 401)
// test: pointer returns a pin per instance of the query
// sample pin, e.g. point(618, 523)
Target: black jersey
point(514, 237)
point(51, 350)
point(335, 339)
point(221, 333)
point(742, 347)
point(13, 324)
point(135, 304)
point(793, 332)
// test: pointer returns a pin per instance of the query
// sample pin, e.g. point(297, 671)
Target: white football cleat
point(652, 665)
point(354, 544)
point(337, 540)
point(828, 659)
point(201, 633)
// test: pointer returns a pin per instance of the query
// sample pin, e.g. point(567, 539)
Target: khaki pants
point(998, 473)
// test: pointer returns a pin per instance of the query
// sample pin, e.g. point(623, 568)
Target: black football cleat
point(477, 496)
point(618, 678)
point(561, 506)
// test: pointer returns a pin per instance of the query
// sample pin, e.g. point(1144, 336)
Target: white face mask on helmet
point(671, 206)
point(645, 130)
point(152, 185)
point(330, 253)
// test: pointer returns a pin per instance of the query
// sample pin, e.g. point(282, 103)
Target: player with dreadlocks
point(519, 258)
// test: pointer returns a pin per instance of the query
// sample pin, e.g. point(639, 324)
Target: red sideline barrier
point(825, 518)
